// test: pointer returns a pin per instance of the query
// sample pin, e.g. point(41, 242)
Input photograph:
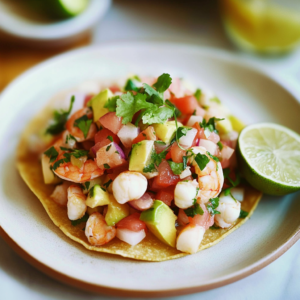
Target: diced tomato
point(117, 170)
point(132, 223)
point(108, 157)
point(165, 195)
point(166, 177)
point(87, 145)
point(187, 105)
point(87, 99)
point(111, 122)
point(114, 89)
point(103, 134)
point(177, 153)
point(168, 156)
point(205, 220)
point(147, 134)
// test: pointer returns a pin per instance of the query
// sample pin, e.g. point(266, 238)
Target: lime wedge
point(64, 8)
point(269, 157)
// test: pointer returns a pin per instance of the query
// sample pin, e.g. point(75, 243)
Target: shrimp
point(210, 179)
point(67, 171)
point(60, 194)
point(76, 203)
point(97, 231)
point(75, 131)
point(77, 169)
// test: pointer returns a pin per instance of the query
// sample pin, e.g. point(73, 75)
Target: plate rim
point(102, 289)
point(221, 281)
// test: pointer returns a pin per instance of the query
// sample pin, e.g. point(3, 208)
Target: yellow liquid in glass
point(262, 25)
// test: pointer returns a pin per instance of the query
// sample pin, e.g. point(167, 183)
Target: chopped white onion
point(187, 140)
point(238, 193)
point(210, 146)
point(185, 173)
point(226, 152)
point(127, 134)
point(130, 237)
point(194, 119)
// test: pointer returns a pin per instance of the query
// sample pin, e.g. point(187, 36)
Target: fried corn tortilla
point(150, 249)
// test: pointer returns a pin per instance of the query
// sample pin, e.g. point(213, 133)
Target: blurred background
point(265, 32)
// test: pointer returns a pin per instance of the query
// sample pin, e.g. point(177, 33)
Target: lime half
point(269, 157)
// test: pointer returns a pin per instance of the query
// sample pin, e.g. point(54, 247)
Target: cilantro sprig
point(210, 125)
point(243, 214)
point(84, 124)
point(60, 118)
point(195, 209)
point(177, 168)
point(212, 205)
point(52, 154)
point(77, 153)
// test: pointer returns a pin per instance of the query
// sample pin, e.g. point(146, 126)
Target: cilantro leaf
point(129, 104)
point(131, 86)
point(84, 124)
point(157, 115)
point(110, 138)
point(52, 154)
point(70, 137)
point(214, 227)
point(226, 173)
point(106, 184)
point(212, 205)
point(150, 168)
point(202, 160)
point(163, 82)
point(157, 158)
point(243, 214)
point(210, 125)
point(59, 119)
point(198, 94)
point(83, 219)
point(106, 166)
point(177, 168)
point(184, 159)
point(77, 153)
point(111, 103)
point(87, 185)
point(220, 145)
point(194, 210)
point(151, 91)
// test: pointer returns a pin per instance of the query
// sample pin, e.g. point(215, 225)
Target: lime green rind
point(258, 180)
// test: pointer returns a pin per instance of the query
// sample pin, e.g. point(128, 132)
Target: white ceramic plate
point(250, 94)
point(15, 22)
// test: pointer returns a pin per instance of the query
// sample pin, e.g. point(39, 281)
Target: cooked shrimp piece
point(229, 211)
point(97, 231)
point(190, 238)
point(76, 203)
point(85, 171)
point(60, 193)
point(75, 131)
point(185, 192)
point(129, 186)
point(210, 179)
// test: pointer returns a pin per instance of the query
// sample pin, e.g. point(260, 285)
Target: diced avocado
point(115, 211)
point(166, 131)
point(160, 220)
point(49, 176)
point(236, 123)
point(97, 103)
point(97, 197)
point(224, 126)
point(86, 186)
point(141, 155)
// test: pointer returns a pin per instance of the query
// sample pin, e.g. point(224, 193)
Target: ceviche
point(144, 169)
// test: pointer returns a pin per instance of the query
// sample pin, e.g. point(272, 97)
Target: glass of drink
point(263, 26)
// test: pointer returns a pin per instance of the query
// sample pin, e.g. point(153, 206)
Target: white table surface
point(191, 22)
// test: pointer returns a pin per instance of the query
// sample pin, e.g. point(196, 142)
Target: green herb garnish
point(59, 119)
point(52, 154)
point(82, 220)
point(84, 124)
